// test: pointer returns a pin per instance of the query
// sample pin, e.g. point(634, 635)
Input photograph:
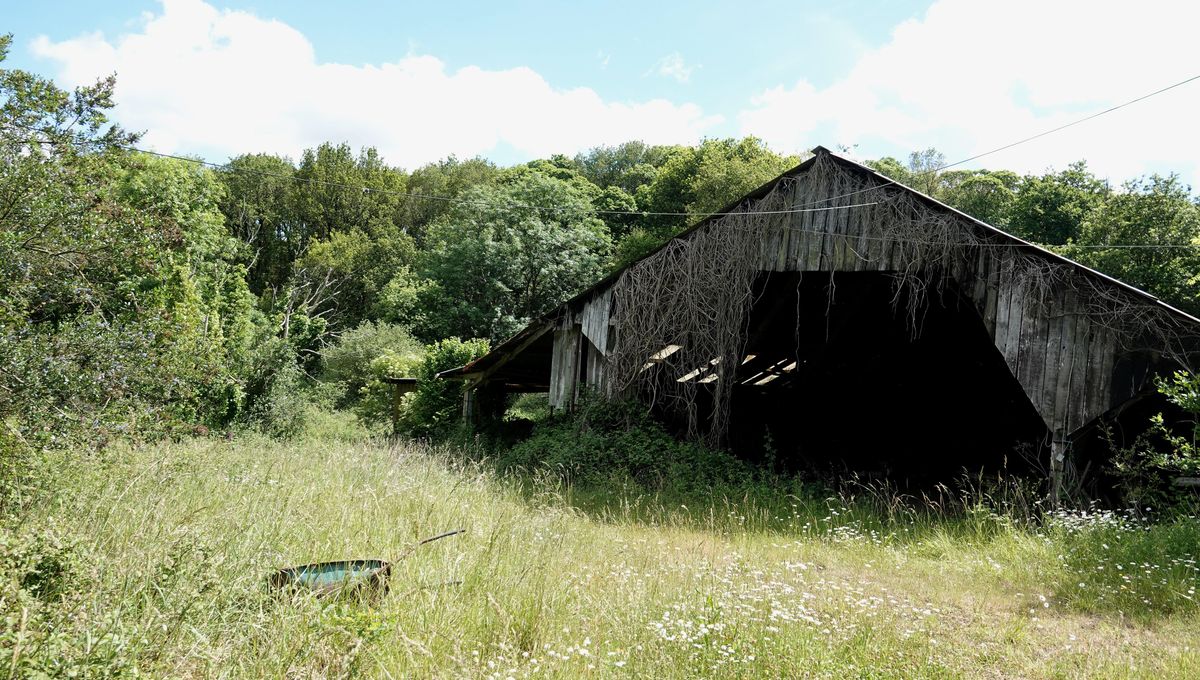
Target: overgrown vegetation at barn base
point(610, 441)
point(1148, 470)
point(434, 409)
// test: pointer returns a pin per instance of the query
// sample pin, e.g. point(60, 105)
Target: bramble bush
point(434, 408)
point(605, 441)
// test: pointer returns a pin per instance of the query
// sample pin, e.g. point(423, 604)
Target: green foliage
point(495, 264)
point(626, 166)
point(699, 180)
point(434, 409)
point(258, 212)
point(360, 361)
point(351, 362)
point(1154, 212)
point(125, 309)
point(1147, 468)
point(333, 198)
point(984, 194)
point(281, 408)
point(606, 442)
point(357, 268)
point(924, 171)
point(429, 186)
point(1052, 208)
point(638, 244)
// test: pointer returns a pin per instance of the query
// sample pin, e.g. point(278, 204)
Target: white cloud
point(196, 77)
point(971, 76)
point(672, 66)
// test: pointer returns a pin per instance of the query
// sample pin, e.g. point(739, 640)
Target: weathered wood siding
point(564, 365)
point(1063, 360)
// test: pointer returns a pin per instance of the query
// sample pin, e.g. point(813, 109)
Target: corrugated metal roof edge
point(763, 190)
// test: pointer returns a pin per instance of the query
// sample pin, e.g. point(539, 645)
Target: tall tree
point(258, 211)
point(984, 194)
point(123, 303)
point(1160, 215)
point(626, 166)
point(433, 187)
point(698, 180)
point(508, 253)
point(1051, 208)
point(339, 191)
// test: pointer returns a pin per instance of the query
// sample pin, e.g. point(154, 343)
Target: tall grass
point(156, 559)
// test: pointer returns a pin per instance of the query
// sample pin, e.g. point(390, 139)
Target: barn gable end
point(674, 327)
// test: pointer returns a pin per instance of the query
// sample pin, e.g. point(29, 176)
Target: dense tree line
point(143, 296)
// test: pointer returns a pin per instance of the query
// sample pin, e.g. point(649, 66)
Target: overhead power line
point(1019, 142)
point(812, 206)
point(229, 167)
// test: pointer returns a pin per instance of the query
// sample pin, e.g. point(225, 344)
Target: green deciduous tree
point(258, 211)
point(983, 194)
point(124, 307)
point(432, 189)
point(1051, 208)
point(693, 181)
point(1160, 214)
point(509, 253)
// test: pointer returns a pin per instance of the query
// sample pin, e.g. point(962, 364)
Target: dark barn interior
point(835, 380)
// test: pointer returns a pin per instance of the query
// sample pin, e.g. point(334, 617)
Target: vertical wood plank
point(564, 366)
point(1056, 378)
point(1077, 390)
point(1031, 354)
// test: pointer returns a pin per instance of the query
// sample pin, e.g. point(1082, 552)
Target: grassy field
point(155, 560)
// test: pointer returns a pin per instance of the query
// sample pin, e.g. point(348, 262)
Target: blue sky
point(513, 81)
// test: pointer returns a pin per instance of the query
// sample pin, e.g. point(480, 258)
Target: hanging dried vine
point(681, 315)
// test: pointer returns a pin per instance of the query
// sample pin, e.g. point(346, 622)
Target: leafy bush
point(375, 404)
point(607, 440)
point(280, 411)
point(355, 360)
point(1146, 469)
point(435, 406)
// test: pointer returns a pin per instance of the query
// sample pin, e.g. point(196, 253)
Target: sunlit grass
point(173, 545)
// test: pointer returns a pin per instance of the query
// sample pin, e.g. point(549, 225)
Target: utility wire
point(1018, 142)
point(804, 208)
point(229, 167)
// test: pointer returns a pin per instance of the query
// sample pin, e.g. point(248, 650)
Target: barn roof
point(527, 336)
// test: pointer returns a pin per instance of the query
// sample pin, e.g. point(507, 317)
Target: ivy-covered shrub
point(434, 408)
point(606, 440)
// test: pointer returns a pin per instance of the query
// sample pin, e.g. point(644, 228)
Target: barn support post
point(396, 395)
point(470, 408)
point(483, 401)
point(564, 367)
point(1059, 445)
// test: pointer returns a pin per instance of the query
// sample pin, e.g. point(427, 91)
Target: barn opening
point(836, 378)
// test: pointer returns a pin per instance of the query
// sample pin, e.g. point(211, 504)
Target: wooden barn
point(835, 317)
